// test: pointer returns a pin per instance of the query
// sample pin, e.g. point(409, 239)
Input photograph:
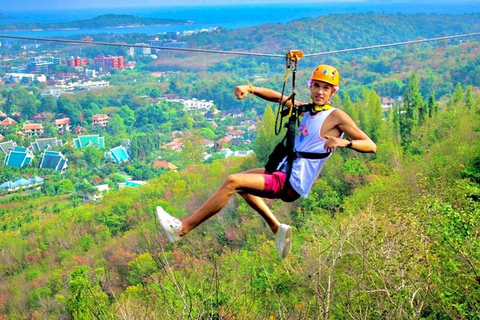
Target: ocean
point(227, 16)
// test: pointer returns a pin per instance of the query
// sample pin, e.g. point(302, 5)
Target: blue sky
point(52, 4)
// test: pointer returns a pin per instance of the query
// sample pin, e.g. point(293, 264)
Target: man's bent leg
point(261, 207)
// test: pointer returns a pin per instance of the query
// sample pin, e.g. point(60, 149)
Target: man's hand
point(333, 142)
point(241, 92)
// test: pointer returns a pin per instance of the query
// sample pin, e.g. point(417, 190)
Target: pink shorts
point(275, 184)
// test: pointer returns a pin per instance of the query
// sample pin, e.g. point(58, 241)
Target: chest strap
point(310, 155)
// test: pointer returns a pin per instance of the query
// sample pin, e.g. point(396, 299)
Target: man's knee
point(231, 182)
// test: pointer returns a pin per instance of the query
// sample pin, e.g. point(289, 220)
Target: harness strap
point(310, 155)
point(312, 108)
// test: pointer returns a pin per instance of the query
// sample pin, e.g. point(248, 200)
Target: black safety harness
point(293, 114)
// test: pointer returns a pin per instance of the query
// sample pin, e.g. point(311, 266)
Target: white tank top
point(308, 139)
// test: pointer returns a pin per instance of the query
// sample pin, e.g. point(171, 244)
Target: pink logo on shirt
point(302, 132)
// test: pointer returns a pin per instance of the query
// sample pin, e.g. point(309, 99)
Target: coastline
point(110, 27)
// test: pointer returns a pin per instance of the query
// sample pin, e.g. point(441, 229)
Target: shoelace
point(175, 223)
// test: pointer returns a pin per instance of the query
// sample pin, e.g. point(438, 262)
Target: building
point(18, 157)
point(43, 117)
point(8, 122)
point(98, 194)
point(79, 129)
point(21, 184)
point(19, 76)
point(234, 133)
point(94, 141)
point(131, 183)
point(109, 62)
point(77, 61)
point(140, 49)
point(40, 64)
point(162, 164)
point(53, 160)
point(118, 154)
point(6, 146)
point(63, 125)
point(195, 104)
point(167, 43)
point(100, 120)
point(239, 153)
point(387, 104)
point(73, 87)
point(45, 144)
point(32, 129)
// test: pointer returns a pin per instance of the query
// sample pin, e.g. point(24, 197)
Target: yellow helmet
point(326, 74)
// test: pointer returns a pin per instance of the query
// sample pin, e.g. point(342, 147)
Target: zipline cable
point(242, 53)
point(392, 44)
point(143, 46)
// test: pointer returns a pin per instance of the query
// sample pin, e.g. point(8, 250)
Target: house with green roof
point(45, 144)
point(93, 140)
point(118, 154)
point(6, 146)
point(18, 157)
point(53, 160)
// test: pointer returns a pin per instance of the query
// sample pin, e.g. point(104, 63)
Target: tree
point(26, 102)
point(349, 107)
point(116, 125)
point(93, 156)
point(48, 104)
point(207, 133)
point(432, 105)
point(155, 93)
point(412, 103)
point(375, 117)
point(469, 101)
point(87, 300)
point(192, 150)
point(84, 188)
point(266, 140)
point(457, 96)
point(128, 115)
point(141, 267)
point(70, 108)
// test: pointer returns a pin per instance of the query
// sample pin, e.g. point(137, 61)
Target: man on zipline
point(321, 131)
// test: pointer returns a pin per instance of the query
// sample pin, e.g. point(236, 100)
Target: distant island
point(5, 16)
point(103, 21)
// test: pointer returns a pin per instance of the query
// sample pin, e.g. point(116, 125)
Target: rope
point(242, 53)
point(392, 44)
point(144, 46)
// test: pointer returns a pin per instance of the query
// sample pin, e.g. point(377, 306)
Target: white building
point(194, 104)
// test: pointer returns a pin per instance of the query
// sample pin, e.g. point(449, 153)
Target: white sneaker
point(170, 225)
point(283, 240)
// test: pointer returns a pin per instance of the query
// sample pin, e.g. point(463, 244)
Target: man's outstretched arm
point(242, 92)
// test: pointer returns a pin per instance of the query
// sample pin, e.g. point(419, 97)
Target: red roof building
point(165, 165)
point(100, 120)
point(63, 124)
point(79, 129)
point(33, 129)
point(8, 122)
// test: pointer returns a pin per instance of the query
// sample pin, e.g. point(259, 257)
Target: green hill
point(384, 236)
point(404, 240)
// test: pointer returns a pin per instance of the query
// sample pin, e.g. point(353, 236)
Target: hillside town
point(43, 139)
